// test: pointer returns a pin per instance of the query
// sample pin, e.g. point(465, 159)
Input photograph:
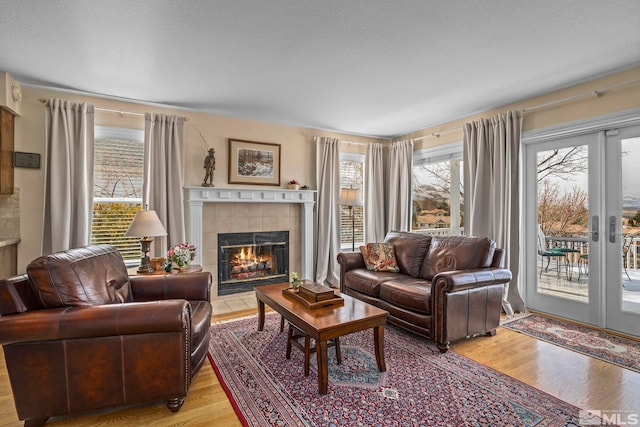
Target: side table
point(194, 268)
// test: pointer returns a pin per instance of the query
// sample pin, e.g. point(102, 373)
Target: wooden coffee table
point(325, 323)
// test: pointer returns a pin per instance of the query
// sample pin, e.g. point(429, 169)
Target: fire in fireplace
point(247, 264)
point(246, 260)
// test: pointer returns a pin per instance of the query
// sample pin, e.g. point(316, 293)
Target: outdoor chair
point(568, 259)
point(583, 265)
point(549, 254)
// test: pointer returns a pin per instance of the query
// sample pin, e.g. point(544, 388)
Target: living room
point(611, 91)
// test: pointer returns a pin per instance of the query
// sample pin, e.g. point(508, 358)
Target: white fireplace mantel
point(196, 197)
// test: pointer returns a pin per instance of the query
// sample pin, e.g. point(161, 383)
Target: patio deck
point(576, 288)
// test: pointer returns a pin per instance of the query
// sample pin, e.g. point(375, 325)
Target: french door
point(582, 227)
point(622, 220)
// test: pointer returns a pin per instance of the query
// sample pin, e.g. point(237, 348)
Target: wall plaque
point(26, 160)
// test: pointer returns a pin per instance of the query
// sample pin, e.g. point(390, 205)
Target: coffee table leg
point(323, 371)
point(260, 315)
point(378, 340)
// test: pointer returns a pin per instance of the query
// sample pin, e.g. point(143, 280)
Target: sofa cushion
point(408, 293)
point(379, 257)
point(367, 282)
point(89, 276)
point(410, 250)
point(448, 253)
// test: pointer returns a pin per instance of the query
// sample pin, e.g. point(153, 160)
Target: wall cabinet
point(6, 151)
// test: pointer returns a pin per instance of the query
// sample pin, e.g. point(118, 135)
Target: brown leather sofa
point(79, 334)
point(448, 287)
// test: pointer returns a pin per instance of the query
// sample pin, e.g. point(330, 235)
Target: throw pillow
point(379, 257)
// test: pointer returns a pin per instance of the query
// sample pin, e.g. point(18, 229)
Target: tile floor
point(235, 302)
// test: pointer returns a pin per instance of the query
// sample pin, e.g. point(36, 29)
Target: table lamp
point(351, 197)
point(146, 225)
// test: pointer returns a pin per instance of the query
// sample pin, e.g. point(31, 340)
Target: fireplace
point(213, 210)
point(246, 260)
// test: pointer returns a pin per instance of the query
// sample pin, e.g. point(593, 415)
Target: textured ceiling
point(371, 67)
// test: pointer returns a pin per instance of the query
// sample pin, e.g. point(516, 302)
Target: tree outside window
point(437, 196)
point(562, 193)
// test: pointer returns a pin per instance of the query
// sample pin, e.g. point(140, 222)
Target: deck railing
point(631, 248)
point(630, 253)
point(438, 231)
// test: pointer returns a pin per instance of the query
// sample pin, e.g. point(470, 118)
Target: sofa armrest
point(466, 303)
point(10, 301)
point(458, 280)
point(97, 321)
point(349, 261)
point(188, 286)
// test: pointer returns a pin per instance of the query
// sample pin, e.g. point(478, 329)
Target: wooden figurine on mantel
point(210, 167)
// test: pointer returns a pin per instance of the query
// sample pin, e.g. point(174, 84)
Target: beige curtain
point(491, 183)
point(374, 194)
point(398, 176)
point(328, 211)
point(68, 175)
point(163, 177)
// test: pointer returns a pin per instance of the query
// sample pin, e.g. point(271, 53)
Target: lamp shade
point(351, 197)
point(146, 224)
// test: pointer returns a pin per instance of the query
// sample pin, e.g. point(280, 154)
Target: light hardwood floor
point(583, 381)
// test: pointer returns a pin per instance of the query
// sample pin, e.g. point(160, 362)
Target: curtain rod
point(436, 134)
point(598, 93)
point(112, 110)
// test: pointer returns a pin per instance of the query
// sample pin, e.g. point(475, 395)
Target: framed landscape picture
point(252, 162)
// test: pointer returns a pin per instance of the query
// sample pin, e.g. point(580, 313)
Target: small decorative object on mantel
point(293, 185)
point(181, 255)
point(210, 167)
point(209, 162)
point(295, 281)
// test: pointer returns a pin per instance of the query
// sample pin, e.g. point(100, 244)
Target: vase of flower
point(181, 255)
point(295, 281)
point(293, 185)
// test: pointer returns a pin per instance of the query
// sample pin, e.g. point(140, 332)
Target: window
point(351, 176)
point(117, 194)
point(437, 194)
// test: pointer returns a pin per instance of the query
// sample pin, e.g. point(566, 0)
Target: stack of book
point(314, 292)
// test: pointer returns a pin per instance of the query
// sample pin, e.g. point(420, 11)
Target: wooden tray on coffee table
point(336, 301)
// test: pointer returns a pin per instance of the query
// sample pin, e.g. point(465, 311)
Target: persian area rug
point(421, 386)
point(601, 345)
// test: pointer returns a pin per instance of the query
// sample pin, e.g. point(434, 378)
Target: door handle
point(595, 235)
point(612, 229)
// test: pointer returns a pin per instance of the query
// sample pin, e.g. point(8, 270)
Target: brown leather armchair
point(79, 334)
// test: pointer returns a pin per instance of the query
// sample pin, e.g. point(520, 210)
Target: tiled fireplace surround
point(213, 210)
